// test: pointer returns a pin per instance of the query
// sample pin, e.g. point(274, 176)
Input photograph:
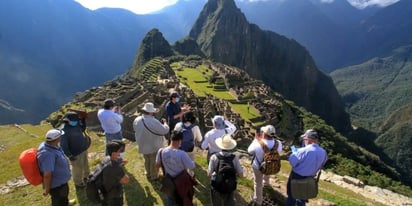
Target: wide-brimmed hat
point(53, 134)
point(71, 116)
point(149, 107)
point(310, 133)
point(226, 142)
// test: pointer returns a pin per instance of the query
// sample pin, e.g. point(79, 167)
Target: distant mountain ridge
point(57, 41)
point(378, 98)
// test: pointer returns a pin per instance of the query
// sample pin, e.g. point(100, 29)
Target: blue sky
point(148, 6)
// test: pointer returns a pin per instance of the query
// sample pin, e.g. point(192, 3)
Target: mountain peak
point(224, 35)
point(152, 45)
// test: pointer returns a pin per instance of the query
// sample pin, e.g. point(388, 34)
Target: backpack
point(188, 143)
point(29, 166)
point(94, 182)
point(224, 179)
point(271, 159)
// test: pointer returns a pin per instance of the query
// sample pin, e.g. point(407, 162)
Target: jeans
point(290, 201)
point(110, 137)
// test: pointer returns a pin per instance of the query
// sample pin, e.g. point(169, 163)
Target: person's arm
point(158, 127)
point(197, 134)
point(47, 182)
point(158, 160)
point(64, 143)
point(231, 128)
point(205, 143)
point(280, 146)
point(238, 166)
point(187, 161)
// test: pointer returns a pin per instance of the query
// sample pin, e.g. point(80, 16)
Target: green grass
point(139, 191)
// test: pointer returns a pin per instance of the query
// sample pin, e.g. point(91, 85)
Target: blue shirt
point(307, 161)
point(171, 110)
point(52, 159)
point(174, 161)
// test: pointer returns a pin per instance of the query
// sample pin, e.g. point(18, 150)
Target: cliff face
point(224, 35)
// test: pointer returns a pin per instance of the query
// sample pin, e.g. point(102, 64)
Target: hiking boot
point(72, 201)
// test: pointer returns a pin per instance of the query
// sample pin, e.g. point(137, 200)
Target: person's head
point(176, 137)
point(114, 148)
point(109, 104)
point(268, 131)
point(189, 117)
point(149, 108)
point(174, 97)
point(218, 122)
point(310, 136)
point(71, 118)
point(226, 142)
point(53, 136)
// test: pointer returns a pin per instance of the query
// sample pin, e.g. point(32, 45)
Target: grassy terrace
point(197, 80)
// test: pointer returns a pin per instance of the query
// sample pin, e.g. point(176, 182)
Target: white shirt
point(214, 133)
point(110, 121)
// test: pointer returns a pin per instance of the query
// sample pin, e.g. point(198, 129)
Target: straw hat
point(226, 142)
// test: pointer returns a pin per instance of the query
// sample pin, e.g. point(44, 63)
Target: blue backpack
point(188, 143)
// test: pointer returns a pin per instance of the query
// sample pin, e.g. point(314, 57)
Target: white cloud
point(361, 4)
point(136, 6)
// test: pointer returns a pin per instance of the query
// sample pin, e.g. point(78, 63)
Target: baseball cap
point(310, 133)
point(269, 130)
point(53, 134)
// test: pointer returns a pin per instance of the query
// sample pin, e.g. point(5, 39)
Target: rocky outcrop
point(224, 35)
point(153, 45)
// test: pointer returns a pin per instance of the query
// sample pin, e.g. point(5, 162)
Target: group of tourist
point(175, 162)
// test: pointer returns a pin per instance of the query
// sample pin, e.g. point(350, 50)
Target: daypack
point(271, 159)
point(94, 183)
point(29, 166)
point(188, 143)
point(224, 179)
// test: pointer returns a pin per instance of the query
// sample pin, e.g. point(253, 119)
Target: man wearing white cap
point(266, 137)
point(55, 168)
point(226, 144)
point(221, 127)
point(305, 162)
point(149, 134)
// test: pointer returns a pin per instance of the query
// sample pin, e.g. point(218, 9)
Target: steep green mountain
point(378, 98)
point(224, 35)
point(375, 89)
point(226, 97)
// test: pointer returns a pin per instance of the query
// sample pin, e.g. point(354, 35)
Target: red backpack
point(30, 167)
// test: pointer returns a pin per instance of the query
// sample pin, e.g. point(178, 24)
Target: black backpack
point(188, 143)
point(94, 183)
point(224, 180)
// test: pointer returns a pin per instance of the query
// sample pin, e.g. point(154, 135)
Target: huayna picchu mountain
point(224, 35)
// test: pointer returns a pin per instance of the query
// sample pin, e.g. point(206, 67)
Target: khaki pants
point(152, 172)
point(259, 180)
point(80, 168)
